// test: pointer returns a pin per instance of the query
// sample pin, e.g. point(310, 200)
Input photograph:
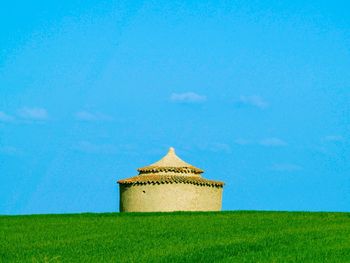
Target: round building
point(170, 185)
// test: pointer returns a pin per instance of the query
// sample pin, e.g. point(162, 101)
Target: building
point(170, 185)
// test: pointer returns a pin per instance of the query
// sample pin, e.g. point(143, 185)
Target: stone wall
point(169, 197)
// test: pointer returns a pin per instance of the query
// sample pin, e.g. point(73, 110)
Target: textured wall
point(169, 197)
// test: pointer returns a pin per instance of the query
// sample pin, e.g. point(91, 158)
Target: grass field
point(177, 237)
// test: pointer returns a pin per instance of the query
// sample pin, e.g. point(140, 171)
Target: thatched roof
point(168, 179)
point(170, 169)
point(170, 162)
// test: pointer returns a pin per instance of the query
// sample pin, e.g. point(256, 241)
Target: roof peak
point(170, 160)
point(171, 150)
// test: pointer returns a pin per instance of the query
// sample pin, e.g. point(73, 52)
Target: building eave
point(154, 179)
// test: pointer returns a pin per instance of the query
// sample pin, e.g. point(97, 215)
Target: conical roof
point(170, 162)
point(168, 170)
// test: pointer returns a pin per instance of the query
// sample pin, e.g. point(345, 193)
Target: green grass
point(177, 237)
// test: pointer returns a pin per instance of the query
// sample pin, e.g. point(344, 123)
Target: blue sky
point(255, 93)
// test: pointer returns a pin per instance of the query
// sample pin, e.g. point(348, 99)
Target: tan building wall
point(169, 197)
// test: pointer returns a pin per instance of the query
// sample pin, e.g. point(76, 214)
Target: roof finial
point(171, 150)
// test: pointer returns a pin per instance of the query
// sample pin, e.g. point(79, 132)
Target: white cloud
point(33, 113)
point(88, 147)
point(272, 142)
point(5, 117)
point(89, 116)
point(241, 141)
point(267, 142)
point(187, 97)
point(220, 147)
point(334, 138)
point(285, 167)
point(9, 150)
point(255, 101)
point(215, 147)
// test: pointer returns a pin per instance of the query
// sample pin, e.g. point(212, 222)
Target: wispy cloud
point(254, 101)
point(4, 117)
point(215, 147)
point(9, 150)
point(241, 141)
point(272, 142)
point(285, 167)
point(33, 113)
point(93, 148)
point(333, 138)
point(220, 147)
point(187, 97)
point(90, 116)
point(266, 142)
